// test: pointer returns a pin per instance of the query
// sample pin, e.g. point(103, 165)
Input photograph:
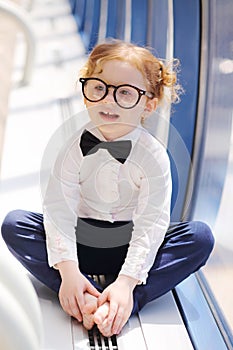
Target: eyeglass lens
point(126, 96)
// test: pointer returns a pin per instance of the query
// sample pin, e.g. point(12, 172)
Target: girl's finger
point(92, 290)
point(102, 298)
point(65, 306)
point(80, 300)
point(105, 329)
point(74, 308)
point(113, 307)
point(118, 321)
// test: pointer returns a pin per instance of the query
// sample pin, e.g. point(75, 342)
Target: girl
point(107, 205)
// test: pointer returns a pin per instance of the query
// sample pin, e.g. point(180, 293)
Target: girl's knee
point(9, 224)
point(202, 236)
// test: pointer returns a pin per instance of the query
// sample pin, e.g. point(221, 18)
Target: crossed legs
point(185, 249)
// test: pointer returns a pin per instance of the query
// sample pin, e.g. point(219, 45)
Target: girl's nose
point(109, 97)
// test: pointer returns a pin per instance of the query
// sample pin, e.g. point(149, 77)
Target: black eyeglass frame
point(140, 91)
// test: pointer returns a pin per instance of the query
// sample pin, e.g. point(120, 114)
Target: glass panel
point(214, 206)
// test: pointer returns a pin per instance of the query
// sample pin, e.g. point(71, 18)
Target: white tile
point(56, 323)
point(162, 325)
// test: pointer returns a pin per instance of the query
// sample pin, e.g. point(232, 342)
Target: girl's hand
point(119, 294)
point(72, 289)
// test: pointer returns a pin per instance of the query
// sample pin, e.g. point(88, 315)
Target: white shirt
point(100, 187)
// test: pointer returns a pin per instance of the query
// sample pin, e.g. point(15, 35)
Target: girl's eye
point(99, 87)
point(125, 92)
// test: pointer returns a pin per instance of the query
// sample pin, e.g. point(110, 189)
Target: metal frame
point(183, 119)
point(198, 316)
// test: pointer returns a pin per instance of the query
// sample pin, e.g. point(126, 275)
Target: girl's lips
point(108, 116)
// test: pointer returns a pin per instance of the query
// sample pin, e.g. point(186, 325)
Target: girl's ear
point(151, 105)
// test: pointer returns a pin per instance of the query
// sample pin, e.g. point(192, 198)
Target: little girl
point(107, 205)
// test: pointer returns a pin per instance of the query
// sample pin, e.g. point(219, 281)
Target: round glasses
point(125, 95)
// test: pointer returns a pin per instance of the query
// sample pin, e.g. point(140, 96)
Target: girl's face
point(112, 120)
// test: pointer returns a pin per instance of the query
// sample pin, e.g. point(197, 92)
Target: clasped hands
point(110, 310)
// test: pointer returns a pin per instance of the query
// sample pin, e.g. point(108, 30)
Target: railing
point(21, 18)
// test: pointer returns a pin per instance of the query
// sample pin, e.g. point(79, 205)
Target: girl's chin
point(102, 123)
point(109, 127)
point(115, 130)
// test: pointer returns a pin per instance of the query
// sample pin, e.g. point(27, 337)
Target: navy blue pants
point(185, 249)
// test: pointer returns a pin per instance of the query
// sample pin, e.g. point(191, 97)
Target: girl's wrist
point(69, 266)
point(128, 280)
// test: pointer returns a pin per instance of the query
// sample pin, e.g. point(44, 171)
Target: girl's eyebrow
point(98, 76)
point(120, 83)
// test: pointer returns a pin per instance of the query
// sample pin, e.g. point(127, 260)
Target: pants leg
point(185, 249)
point(24, 235)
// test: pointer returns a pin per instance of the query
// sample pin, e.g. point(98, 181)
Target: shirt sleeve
point(60, 206)
point(152, 215)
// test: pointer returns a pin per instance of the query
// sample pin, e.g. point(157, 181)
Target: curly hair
point(157, 74)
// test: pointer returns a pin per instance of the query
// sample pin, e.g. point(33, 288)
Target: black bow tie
point(118, 149)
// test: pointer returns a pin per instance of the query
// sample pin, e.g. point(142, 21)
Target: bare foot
point(100, 318)
point(89, 310)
